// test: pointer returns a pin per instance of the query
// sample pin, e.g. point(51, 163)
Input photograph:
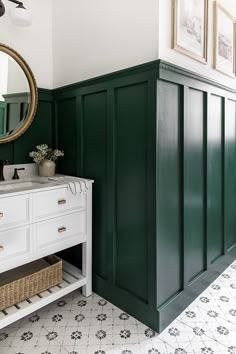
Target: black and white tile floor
point(75, 325)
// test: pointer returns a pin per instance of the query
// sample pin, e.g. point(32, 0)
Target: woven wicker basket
point(26, 281)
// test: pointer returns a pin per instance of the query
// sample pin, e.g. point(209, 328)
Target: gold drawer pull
point(1, 215)
point(62, 201)
point(62, 229)
point(1, 248)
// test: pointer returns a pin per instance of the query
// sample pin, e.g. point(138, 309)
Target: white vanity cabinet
point(37, 222)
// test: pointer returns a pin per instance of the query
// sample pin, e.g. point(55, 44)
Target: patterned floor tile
point(78, 325)
point(205, 345)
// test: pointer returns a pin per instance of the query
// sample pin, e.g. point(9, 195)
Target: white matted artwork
point(190, 28)
point(224, 41)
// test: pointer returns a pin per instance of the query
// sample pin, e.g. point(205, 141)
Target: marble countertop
point(34, 184)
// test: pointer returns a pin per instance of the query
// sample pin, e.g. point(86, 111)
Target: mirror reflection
point(15, 95)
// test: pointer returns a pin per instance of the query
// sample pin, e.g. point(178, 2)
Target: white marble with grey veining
point(31, 170)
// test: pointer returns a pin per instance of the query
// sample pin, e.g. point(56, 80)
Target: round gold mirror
point(18, 95)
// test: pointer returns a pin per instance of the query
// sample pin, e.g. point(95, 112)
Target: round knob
point(1, 248)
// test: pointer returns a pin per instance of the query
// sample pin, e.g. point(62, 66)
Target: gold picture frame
point(224, 46)
point(190, 28)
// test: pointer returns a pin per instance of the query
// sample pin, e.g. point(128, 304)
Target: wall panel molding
point(160, 142)
point(170, 69)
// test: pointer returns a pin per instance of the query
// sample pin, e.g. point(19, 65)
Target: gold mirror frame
point(33, 92)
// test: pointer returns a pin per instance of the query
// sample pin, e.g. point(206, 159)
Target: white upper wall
point(95, 37)
point(81, 39)
point(170, 55)
point(16, 81)
point(34, 43)
point(4, 74)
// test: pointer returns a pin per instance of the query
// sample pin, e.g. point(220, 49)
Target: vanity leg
point(87, 249)
point(87, 268)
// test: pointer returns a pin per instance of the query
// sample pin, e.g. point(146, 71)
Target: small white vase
point(47, 168)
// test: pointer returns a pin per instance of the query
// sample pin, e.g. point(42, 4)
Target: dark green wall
point(2, 116)
point(41, 131)
point(106, 127)
point(160, 143)
point(196, 180)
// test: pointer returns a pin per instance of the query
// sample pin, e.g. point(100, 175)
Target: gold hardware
point(62, 201)
point(1, 248)
point(62, 229)
point(1, 215)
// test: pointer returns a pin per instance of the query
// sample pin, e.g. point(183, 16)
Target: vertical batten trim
point(157, 289)
point(55, 123)
point(224, 108)
point(151, 191)
point(80, 132)
point(208, 262)
point(13, 152)
point(185, 101)
point(112, 192)
point(206, 98)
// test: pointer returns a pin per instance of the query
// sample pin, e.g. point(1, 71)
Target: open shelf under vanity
point(72, 280)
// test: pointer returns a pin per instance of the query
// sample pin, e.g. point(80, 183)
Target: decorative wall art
point(190, 29)
point(224, 41)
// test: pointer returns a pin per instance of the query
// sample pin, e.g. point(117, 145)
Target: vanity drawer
point(14, 211)
point(60, 229)
point(14, 243)
point(57, 201)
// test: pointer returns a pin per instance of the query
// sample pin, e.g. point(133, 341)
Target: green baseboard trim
point(172, 309)
point(159, 319)
point(232, 249)
point(127, 302)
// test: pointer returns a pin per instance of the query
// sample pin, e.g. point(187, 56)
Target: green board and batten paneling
point(201, 233)
point(112, 125)
point(41, 131)
point(160, 143)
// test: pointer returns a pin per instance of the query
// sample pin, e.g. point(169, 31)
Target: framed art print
point(190, 28)
point(224, 41)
